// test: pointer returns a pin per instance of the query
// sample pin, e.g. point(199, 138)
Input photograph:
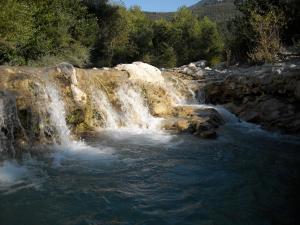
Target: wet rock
point(208, 134)
point(201, 122)
point(79, 96)
point(182, 125)
point(11, 131)
point(297, 90)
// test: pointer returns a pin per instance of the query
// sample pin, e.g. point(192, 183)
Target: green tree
point(188, 31)
point(16, 28)
point(247, 33)
point(164, 39)
point(46, 32)
point(64, 30)
point(196, 39)
point(268, 43)
point(211, 45)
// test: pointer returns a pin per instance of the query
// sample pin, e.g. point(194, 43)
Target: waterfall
point(9, 123)
point(111, 117)
point(57, 115)
point(2, 123)
point(135, 112)
point(201, 96)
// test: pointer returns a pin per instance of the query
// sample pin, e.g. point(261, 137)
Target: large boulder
point(199, 121)
point(142, 72)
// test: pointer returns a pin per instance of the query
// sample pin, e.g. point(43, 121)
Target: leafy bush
point(268, 43)
point(261, 28)
point(35, 30)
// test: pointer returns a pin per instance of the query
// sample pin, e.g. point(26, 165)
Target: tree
point(248, 33)
point(188, 31)
point(32, 31)
point(64, 30)
point(16, 28)
point(196, 39)
point(268, 43)
point(210, 44)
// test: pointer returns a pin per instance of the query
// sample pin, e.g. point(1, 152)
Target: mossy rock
point(75, 117)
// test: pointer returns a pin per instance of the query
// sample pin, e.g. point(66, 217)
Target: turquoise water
point(246, 176)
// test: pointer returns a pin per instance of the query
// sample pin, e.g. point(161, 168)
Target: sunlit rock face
point(143, 72)
point(55, 105)
point(267, 95)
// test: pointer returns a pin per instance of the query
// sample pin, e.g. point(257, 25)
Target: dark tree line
point(263, 28)
point(95, 33)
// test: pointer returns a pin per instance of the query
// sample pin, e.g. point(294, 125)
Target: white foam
point(79, 150)
point(15, 177)
point(10, 173)
point(138, 136)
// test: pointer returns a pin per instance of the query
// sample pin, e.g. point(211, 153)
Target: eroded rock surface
point(266, 95)
point(57, 104)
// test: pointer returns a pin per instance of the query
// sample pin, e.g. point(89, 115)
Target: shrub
point(267, 28)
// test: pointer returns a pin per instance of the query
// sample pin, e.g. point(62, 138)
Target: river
point(245, 176)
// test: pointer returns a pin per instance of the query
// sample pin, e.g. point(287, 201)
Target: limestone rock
point(182, 125)
point(201, 122)
point(261, 94)
point(142, 72)
point(79, 96)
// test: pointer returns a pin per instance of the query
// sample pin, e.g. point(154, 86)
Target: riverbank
point(268, 95)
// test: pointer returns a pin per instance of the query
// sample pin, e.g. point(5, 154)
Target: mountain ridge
point(216, 10)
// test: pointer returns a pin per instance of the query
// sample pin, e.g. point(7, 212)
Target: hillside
point(217, 10)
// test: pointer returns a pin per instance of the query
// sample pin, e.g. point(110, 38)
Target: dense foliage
point(96, 33)
point(45, 31)
point(262, 28)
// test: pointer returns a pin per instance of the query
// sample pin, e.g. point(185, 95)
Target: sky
point(159, 5)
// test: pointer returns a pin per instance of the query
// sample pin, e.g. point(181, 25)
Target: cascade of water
point(57, 115)
point(112, 119)
point(135, 112)
point(176, 97)
point(201, 96)
point(1, 124)
point(9, 121)
point(227, 116)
